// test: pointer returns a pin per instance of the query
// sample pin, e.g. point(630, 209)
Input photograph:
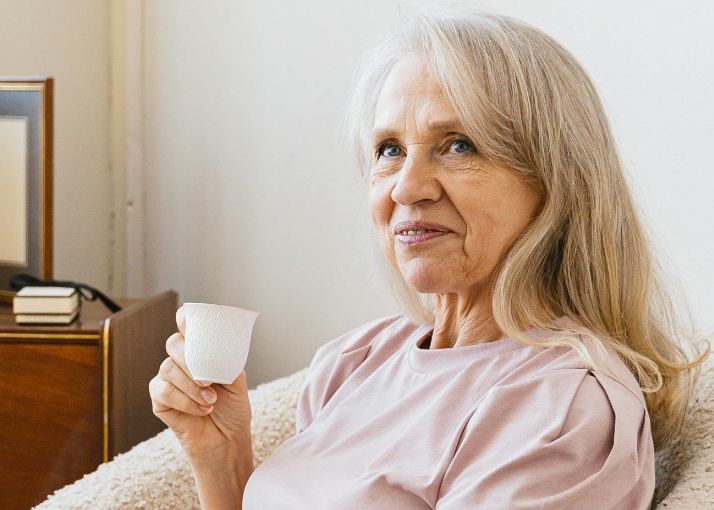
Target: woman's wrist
point(221, 479)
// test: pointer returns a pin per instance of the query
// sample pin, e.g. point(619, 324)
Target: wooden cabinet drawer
point(51, 418)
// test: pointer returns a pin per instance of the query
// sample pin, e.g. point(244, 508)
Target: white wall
point(68, 40)
point(252, 202)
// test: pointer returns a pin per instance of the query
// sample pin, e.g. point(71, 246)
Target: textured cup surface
point(217, 341)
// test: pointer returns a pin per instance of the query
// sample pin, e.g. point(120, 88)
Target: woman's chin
point(425, 276)
point(423, 284)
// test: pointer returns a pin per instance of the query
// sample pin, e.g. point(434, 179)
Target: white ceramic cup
point(217, 341)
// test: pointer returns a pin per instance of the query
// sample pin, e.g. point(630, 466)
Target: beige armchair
point(156, 475)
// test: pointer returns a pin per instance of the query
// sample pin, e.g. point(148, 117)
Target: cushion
point(685, 471)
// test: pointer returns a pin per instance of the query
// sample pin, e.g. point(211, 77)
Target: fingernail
point(206, 409)
point(208, 396)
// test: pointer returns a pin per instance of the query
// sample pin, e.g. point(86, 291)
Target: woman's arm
point(562, 440)
point(220, 481)
point(212, 424)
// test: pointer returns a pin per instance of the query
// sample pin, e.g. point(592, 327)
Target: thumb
point(240, 385)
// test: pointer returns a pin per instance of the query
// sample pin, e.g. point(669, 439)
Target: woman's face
point(444, 217)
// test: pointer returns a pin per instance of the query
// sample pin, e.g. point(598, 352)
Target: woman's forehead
point(412, 98)
point(409, 76)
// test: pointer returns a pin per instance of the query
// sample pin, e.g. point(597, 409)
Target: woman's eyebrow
point(432, 127)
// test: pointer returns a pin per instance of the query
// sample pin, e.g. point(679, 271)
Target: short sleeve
point(333, 364)
point(569, 439)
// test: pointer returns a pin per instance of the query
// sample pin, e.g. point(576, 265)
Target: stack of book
point(46, 305)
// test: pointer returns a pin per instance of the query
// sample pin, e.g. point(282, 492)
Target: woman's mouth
point(411, 233)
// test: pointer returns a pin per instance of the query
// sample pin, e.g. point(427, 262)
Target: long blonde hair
point(530, 107)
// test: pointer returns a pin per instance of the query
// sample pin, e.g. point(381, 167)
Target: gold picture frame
point(26, 113)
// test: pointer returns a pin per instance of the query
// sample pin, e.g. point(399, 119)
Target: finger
point(175, 375)
point(175, 348)
point(181, 320)
point(165, 397)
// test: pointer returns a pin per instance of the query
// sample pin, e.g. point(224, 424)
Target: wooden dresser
point(72, 397)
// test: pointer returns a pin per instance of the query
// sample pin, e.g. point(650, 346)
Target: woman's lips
point(411, 233)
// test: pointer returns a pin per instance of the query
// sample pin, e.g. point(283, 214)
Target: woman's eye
point(461, 146)
point(390, 150)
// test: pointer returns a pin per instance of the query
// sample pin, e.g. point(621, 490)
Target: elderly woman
point(539, 366)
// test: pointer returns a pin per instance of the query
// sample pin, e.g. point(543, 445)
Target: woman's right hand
point(210, 421)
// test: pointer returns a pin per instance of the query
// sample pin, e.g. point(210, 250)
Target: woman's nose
point(416, 182)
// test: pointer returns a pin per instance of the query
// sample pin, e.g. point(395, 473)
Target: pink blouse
point(503, 425)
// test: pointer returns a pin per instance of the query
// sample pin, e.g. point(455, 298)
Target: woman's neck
point(460, 321)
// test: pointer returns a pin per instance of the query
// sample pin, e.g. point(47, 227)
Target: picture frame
point(26, 200)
